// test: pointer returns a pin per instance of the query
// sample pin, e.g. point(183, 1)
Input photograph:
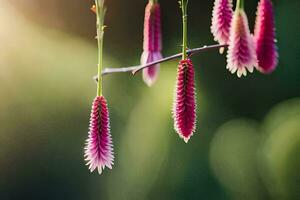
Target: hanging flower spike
point(99, 147)
point(241, 52)
point(152, 42)
point(221, 20)
point(184, 109)
point(264, 37)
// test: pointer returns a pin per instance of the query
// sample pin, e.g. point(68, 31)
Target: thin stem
point(136, 69)
point(100, 12)
point(239, 4)
point(184, 28)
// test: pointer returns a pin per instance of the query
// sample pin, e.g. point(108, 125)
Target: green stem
point(184, 29)
point(240, 4)
point(100, 11)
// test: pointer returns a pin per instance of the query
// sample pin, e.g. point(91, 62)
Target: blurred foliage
point(234, 159)
point(47, 58)
point(260, 162)
point(281, 150)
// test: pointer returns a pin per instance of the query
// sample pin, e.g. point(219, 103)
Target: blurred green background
point(247, 144)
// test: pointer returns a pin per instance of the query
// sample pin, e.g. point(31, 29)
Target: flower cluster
point(245, 51)
point(229, 27)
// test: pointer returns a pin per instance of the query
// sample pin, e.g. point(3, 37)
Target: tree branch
point(137, 68)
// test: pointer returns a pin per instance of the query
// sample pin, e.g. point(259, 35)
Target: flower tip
point(148, 78)
point(150, 74)
point(264, 71)
point(241, 72)
point(149, 82)
point(186, 139)
point(99, 170)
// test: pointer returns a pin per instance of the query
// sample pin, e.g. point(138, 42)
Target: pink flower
point(221, 20)
point(152, 42)
point(241, 52)
point(99, 147)
point(264, 37)
point(184, 109)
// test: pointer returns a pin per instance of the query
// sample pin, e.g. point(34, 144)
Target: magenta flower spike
point(152, 42)
point(184, 108)
point(264, 37)
point(241, 51)
point(221, 20)
point(99, 147)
